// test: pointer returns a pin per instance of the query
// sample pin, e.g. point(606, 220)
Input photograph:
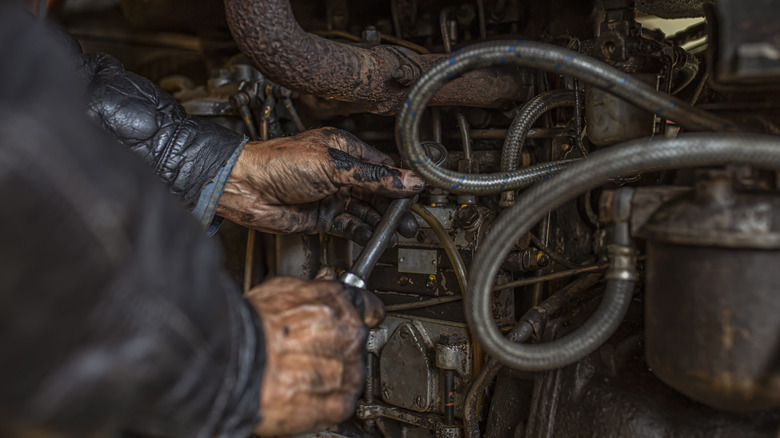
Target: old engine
point(601, 222)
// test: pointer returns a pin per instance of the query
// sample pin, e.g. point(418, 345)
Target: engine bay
point(601, 215)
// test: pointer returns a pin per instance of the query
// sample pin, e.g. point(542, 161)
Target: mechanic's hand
point(315, 339)
point(322, 180)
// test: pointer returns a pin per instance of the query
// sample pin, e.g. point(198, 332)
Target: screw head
point(386, 393)
point(419, 401)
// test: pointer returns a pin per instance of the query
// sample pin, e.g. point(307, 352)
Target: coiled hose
point(535, 55)
point(515, 136)
point(529, 114)
point(689, 150)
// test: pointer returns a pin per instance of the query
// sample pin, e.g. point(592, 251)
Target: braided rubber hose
point(522, 331)
point(535, 55)
point(529, 114)
point(690, 150)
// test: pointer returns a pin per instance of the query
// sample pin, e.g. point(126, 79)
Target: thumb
point(368, 305)
point(377, 178)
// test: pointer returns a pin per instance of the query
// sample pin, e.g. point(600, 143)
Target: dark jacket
point(114, 311)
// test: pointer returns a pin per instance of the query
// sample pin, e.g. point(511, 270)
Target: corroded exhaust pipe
point(373, 80)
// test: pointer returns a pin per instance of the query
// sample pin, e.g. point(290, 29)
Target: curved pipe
point(692, 150)
point(529, 114)
point(536, 55)
point(535, 317)
point(375, 79)
point(517, 132)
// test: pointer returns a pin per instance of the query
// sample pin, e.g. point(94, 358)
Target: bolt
point(405, 75)
point(468, 216)
point(386, 394)
point(372, 36)
point(419, 401)
point(448, 339)
point(403, 281)
point(430, 284)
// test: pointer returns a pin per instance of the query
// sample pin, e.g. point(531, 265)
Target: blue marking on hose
point(462, 178)
point(427, 159)
point(620, 81)
point(511, 48)
point(506, 178)
point(452, 60)
point(414, 115)
point(570, 59)
point(502, 60)
point(408, 102)
point(416, 162)
point(557, 66)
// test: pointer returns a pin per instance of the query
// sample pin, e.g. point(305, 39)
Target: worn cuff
point(211, 193)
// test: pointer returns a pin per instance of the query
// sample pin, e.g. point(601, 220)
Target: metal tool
point(361, 269)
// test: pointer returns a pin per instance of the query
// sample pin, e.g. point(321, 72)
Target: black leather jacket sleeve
point(184, 151)
point(114, 311)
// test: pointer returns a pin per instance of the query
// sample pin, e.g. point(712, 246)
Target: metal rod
point(463, 124)
point(422, 304)
point(449, 397)
point(384, 231)
point(436, 122)
point(370, 423)
point(445, 35)
point(555, 276)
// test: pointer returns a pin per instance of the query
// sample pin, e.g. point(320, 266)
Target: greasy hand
point(315, 336)
point(322, 180)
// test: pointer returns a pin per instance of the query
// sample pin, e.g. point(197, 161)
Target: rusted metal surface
point(711, 300)
point(375, 79)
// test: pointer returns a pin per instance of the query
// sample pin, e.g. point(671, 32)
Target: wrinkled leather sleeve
point(184, 151)
point(114, 311)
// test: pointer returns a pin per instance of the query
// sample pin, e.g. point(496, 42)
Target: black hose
point(691, 150)
point(535, 55)
point(531, 111)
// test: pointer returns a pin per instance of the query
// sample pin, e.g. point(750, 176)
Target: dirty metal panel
point(418, 261)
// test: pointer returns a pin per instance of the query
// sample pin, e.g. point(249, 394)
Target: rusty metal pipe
point(375, 79)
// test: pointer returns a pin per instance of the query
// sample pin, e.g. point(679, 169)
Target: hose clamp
point(622, 263)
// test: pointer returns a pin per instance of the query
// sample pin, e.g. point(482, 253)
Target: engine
point(601, 218)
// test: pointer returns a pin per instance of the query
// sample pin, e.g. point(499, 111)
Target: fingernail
point(412, 181)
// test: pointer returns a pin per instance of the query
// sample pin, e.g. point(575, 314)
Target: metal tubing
point(550, 277)
point(449, 397)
